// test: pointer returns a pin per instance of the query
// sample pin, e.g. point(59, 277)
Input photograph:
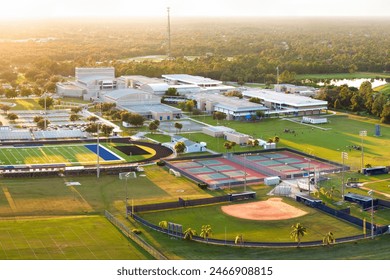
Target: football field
point(73, 154)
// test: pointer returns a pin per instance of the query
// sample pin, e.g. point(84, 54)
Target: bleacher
point(59, 134)
point(6, 135)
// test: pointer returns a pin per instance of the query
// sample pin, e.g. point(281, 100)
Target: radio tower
point(169, 35)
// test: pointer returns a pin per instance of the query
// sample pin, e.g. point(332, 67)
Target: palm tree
point(205, 232)
point(163, 224)
point(328, 239)
point(298, 231)
point(189, 233)
point(239, 240)
point(331, 192)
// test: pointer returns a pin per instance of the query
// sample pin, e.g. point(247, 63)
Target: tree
point(92, 118)
point(91, 128)
point(239, 240)
point(107, 106)
point(298, 231)
point(287, 77)
point(379, 103)
point(106, 130)
point(227, 145)
point(328, 239)
point(171, 92)
point(42, 124)
point(74, 117)
point(219, 116)
point(153, 126)
point(189, 233)
point(5, 108)
point(12, 116)
point(76, 110)
point(260, 114)
point(163, 224)
point(37, 119)
point(255, 143)
point(385, 115)
point(125, 116)
point(331, 192)
point(10, 93)
point(136, 120)
point(49, 102)
point(178, 126)
point(276, 139)
point(206, 232)
point(190, 104)
point(180, 147)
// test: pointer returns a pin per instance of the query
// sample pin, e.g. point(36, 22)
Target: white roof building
point(282, 103)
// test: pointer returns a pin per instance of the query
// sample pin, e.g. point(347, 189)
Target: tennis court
point(252, 168)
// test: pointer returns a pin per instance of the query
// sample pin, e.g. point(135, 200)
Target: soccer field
point(74, 154)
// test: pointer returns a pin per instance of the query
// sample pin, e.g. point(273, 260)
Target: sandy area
point(271, 209)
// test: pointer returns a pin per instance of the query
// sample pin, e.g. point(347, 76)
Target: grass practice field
point(65, 238)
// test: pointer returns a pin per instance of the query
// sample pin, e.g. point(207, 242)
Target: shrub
point(136, 231)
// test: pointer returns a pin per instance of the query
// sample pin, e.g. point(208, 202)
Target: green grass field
point(342, 133)
point(65, 238)
point(71, 154)
point(24, 104)
point(317, 224)
point(54, 154)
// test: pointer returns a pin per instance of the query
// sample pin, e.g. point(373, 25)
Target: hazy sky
point(121, 8)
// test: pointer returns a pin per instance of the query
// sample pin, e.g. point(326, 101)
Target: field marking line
point(16, 247)
point(2, 248)
point(10, 200)
point(10, 152)
point(29, 245)
point(38, 158)
point(82, 241)
point(9, 161)
point(95, 241)
point(23, 157)
point(57, 246)
point(53, 153)
point(88, 207)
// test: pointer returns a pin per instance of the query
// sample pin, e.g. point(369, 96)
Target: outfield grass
point(361, 250)
point(317, 224)
point(356, 75)
point(65, 238)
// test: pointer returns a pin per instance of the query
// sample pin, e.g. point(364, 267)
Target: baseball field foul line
point(9, 199)
point(88, 207)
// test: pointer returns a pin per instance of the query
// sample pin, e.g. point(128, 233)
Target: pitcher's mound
point(271, 209)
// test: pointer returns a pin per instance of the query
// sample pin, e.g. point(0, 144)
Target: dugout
point(308, 200)
point(242, 196)
point(378, 170)
point(363, 200)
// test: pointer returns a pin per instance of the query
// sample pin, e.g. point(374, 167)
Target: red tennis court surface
point(236, 169)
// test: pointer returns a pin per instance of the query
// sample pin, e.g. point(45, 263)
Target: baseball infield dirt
point(271, 209)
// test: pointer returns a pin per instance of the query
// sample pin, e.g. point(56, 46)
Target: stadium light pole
point(97, 152)
point(308, 173)
point(362, 133)
point(371, 193)
point(344, 156)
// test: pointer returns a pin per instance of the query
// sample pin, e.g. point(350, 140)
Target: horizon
point(52, 9)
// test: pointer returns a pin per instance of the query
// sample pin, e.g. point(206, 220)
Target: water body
point(356, 82)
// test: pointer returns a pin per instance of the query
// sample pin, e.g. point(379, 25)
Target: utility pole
point(97, 152)
point(362, 134)
point(371, 193)
point(277, 74)
point(169, 33)
point(45, 113)
point(344, 156)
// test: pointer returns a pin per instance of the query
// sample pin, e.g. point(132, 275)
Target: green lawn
point(384, 89)
point(69, 238)
point(24, 104)
point(342, 133)
point(357, 75)
point(317, 224)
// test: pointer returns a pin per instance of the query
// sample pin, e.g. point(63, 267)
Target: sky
point(25, 9)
